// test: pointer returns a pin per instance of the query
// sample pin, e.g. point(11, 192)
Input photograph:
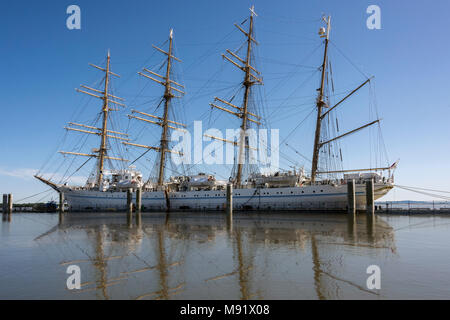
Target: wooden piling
point(351, 198)
point(369, 198)
point(229, 207)
point(138, 199)
point(138, 207)
point(10, 203)
point(130, 200)
point(61, 202)
point(5, 203)
point(230, 199)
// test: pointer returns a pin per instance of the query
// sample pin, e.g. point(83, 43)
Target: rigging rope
point(433, 190)
point(417, 190)
point(348, 59)
point(36, 194)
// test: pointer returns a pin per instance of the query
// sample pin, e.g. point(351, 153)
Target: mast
point(163, 122)
point(320, 102)
point(325, 33)
point(249, 80)
point(167, 97)
point(247, 85)
point(102, 150)
point(103, 132)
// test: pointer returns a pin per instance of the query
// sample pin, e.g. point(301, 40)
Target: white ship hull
point(327, 197)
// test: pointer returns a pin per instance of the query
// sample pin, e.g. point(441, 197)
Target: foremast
point(167, 97)
point(102, 153)
point(163, 122)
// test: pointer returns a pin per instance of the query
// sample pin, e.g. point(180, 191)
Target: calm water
point(198, 256)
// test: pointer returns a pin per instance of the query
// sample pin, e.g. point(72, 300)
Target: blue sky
point(42, 62)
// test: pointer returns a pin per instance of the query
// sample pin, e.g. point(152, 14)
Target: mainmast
point(167, 97)
point(320, 103)
point(163, 122)
point(249, 80)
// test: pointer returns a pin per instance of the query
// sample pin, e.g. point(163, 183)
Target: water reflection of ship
point(248, 232)
point(292, 229)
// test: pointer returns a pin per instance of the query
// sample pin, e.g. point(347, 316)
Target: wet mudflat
point(204, 256)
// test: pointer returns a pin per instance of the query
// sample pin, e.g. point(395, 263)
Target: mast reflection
point(170, 268)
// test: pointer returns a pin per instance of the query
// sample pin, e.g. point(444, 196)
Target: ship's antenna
point(324, 33)
point(249, 80)
point(163, 121)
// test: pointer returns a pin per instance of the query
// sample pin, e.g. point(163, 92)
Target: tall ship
point(253, 190)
